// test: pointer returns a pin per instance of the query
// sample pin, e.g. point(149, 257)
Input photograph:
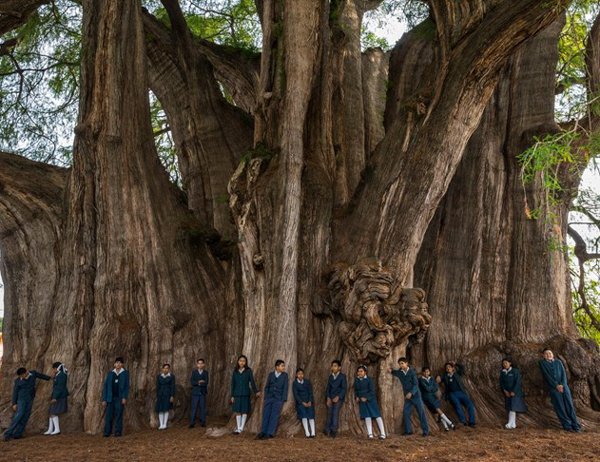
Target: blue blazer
point(59, 387)
point(337, 386)
point(123, 386)
point(303, 392)
point(199, 389)
point(458, 373)
point(554, 373)
point(277, 387)
point(24, 390)
point(409, 381)
point(428, 386)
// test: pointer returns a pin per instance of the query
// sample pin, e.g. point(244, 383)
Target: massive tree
point(375, 206)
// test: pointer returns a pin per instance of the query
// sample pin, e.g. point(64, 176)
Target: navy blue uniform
point(410, 384)
point(60, 393)
point(22, 397)
point(242, 386)
point(510, 380)
point(199, 381)
point(429, 389)
point(276, 392)
point(455, 392)
point(165, 390)
point(554, 374)
point(116, 389)
point(364, 388)
point(303, 393)
point(336, 386)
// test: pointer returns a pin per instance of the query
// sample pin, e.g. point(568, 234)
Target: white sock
point(369, 424)
point(312, 427)
point(512, 419)
point(50, 426)
point(305, 425)
point(56, 425)
point(160, 420)
point(238, 421)
point(444, 423)
point(445, 419)
point(243, 424)
point(379, 421)
point(166, 419)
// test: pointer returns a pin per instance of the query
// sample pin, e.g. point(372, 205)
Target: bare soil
point(183, 444)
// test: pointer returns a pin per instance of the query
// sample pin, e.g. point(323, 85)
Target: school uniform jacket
point(428, 387)
point(243, 383)
point(303, 392)
point(59, 386)
point(409, 381)
point(24, 390)
point(337, 386)
point(123, 384)
point(457, 377)
point(277, 387)
point(199, 389)
point(554, 373)
point(511, 381)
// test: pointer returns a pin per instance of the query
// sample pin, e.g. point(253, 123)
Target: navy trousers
point(417, 403)
point(271, 412)
point(114, 414)
point(565, 411)
point(333, 417)
point(19, 420)
point(460, 399)
point(198, 407)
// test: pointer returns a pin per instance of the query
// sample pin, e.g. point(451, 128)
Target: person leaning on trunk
point(22, 401)
point(58, 399)
point(115, 394)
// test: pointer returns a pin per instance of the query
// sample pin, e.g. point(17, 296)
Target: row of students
point(418, 392)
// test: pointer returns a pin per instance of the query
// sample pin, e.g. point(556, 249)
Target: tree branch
point(14, 13)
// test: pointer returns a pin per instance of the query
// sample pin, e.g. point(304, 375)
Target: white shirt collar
point(300, 381)
point(405, 371)
point(426, 378)
point(168, 374)
point(119, 372)
point(506, 371)
point(277, 374)
point(335, 376)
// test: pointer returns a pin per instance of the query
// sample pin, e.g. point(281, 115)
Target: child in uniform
point(366, 397)
point(336, 393)
point(199, 381)
point(58, 399)
point(305, 402)
point(242, 386)
point(412, 396)
point(165, 395)
point(115, 394)
point(276, 392)
point(456, 393)
point(429, 389)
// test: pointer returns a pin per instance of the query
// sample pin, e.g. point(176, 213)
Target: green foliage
point(369, 39)
point(584, 313)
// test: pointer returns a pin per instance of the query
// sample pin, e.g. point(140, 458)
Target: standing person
point(366, 397)
point(22, 401)
point(165, 395)
point(412, 396)
point(429, 389)
point(276, 392)
point(58, 403)
point(305, 402)
point(510, 384)
point(336, 393)
point(555, 377)
point(242, 386)
point(199, 382)
point(456, 393)
point(115, 394)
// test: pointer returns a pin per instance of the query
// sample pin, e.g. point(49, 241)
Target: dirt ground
point(183, 444)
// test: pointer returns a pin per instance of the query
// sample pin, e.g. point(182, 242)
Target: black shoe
point(269, 437)
point(261, 436)
point(326, 433)
point(17, 437)
point(312, 436)
point(453, 427)
point(191, 425)
point(333, 434)
point(236, 432)
point(203, 424)
point(472, 425)
point(118, 435)
point(6, 438)
point(106, 435)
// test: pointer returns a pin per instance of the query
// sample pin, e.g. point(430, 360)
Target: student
point(510, 384)
point(555, 377)
point(22, 401)
point(115, 394)
point(242, 386)
point(199, 382)
point(165, 395)
point(412, 396)
point(58, 403)
point(276, 392)
point(455, 392)
point(336, 393)
point(429, 389)
point(364, 391)
point(305, 402)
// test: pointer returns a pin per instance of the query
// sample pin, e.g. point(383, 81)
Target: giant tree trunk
point(335, 212)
